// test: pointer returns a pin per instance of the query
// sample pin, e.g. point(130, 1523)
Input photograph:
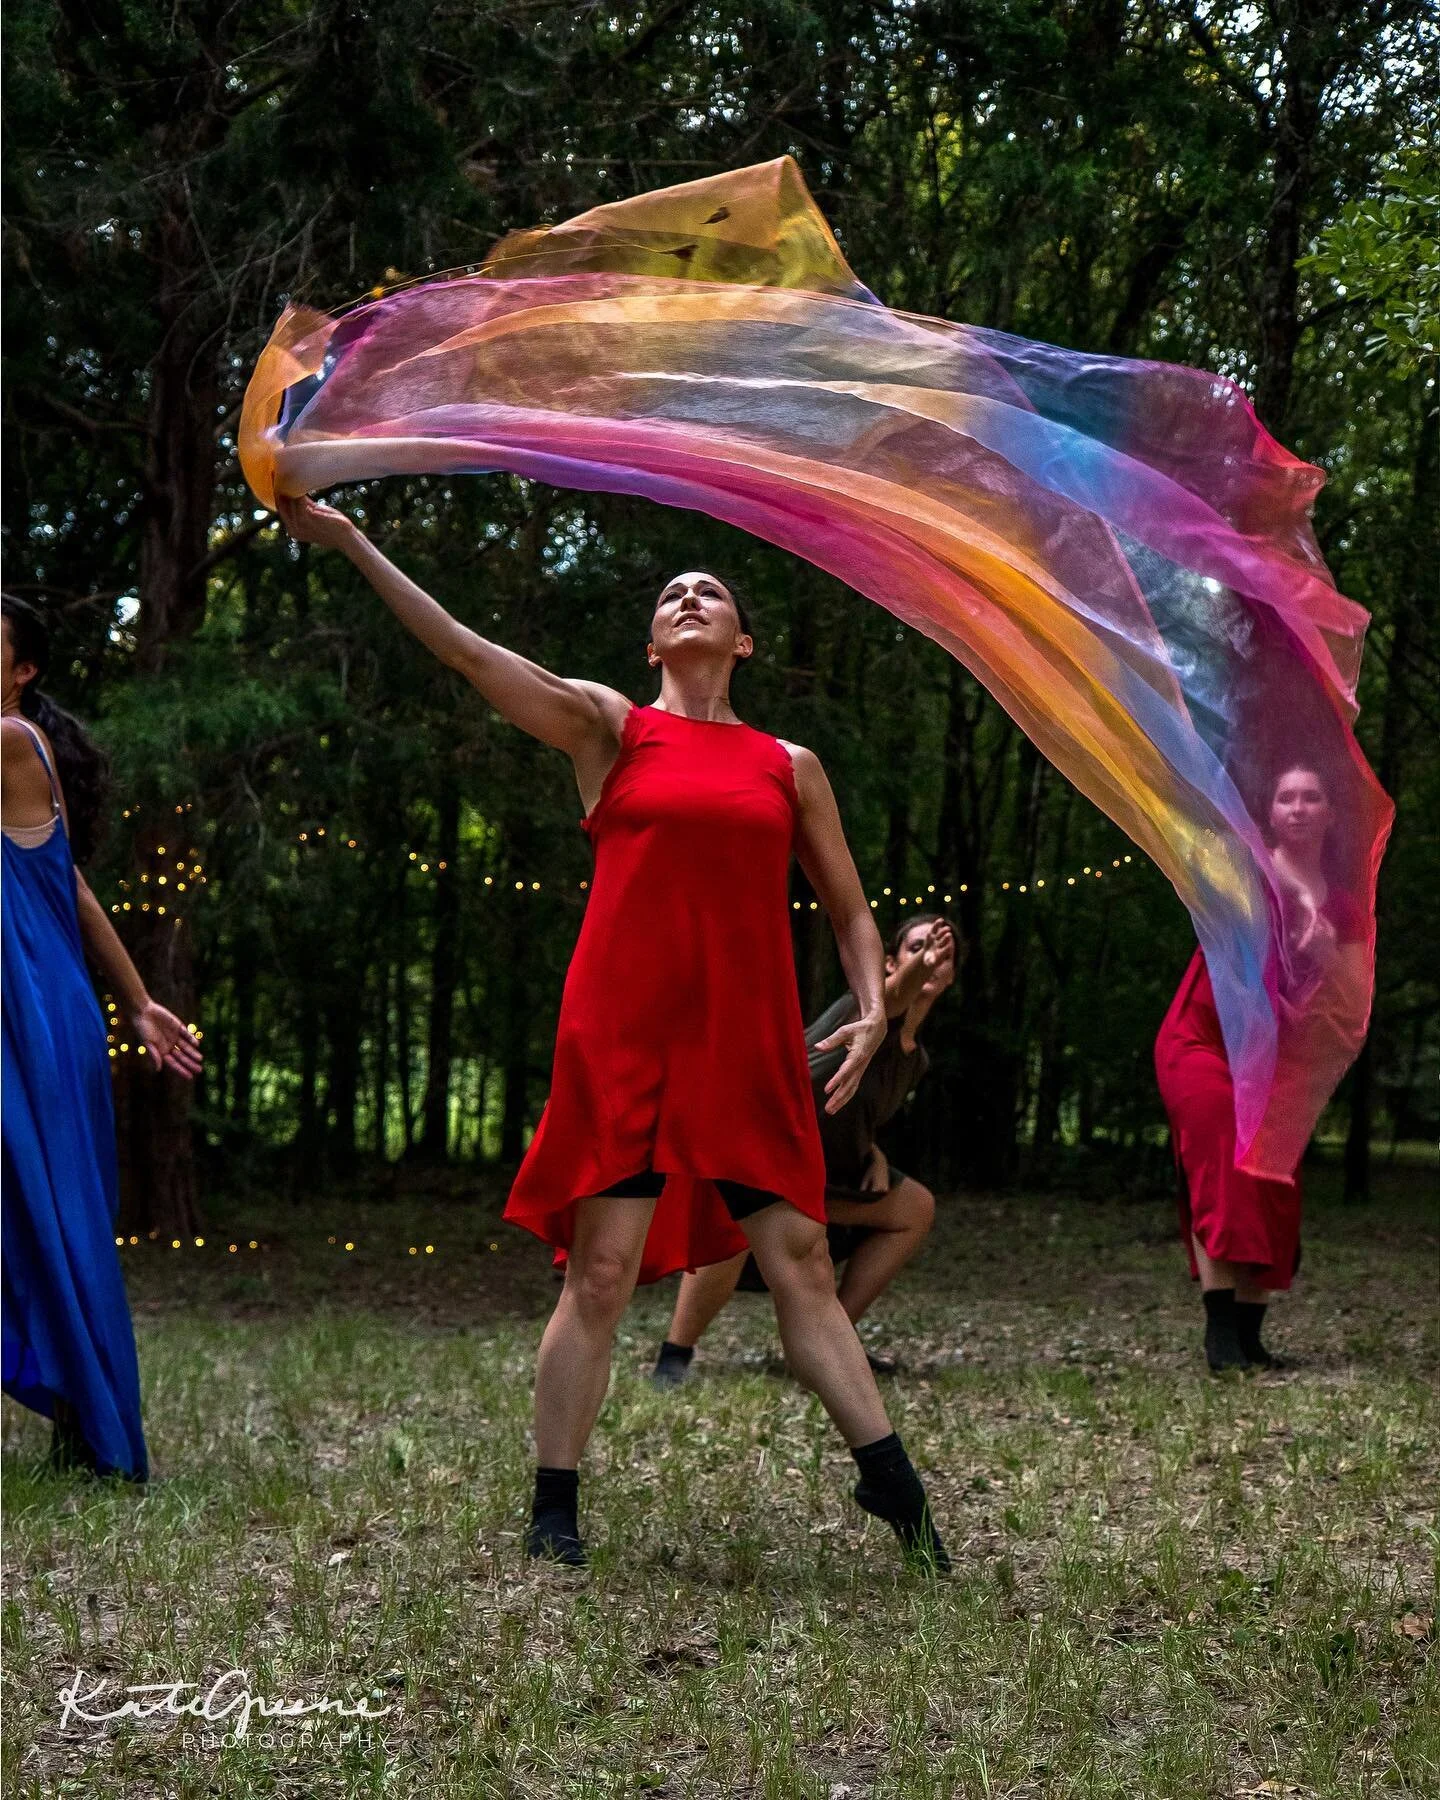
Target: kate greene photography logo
point(228, 1702)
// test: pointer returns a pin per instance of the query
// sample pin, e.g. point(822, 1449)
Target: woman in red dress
point(1242, 1233)
point(680, 1125)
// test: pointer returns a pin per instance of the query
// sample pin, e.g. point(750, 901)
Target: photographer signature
point(223, 1700)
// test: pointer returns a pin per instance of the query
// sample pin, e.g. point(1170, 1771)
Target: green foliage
point(1383, 255)
point(1107, 175)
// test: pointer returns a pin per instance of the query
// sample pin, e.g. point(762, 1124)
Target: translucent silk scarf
point(1116, 549)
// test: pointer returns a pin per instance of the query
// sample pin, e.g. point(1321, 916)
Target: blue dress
point(66, 1324)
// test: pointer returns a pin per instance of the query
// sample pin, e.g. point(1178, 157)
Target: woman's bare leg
point(572, 1370)
point(1234, 1308)
point(1216, 1274)
point(824, 1353)
point(900, 1223)
point(704, 1293)
point(821, 1347)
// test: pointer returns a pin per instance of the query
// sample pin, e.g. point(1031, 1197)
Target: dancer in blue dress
point(69, 1349)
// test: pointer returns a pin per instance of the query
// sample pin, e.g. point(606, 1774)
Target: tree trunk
point(342, 1086)
point(1357, 1136)
point(435, 1108)
point(245, 953)
point(516, 919)
point(1279, 283)
point(179, 488)
point(381, 1088)
point(404, 1068)
point(1414, 620)
point(515, 1056)
point(157, 1177)
point(308, 1135)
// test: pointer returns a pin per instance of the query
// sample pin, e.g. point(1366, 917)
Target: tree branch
point(237, 540)
point(1215, 56)
point(76, 417)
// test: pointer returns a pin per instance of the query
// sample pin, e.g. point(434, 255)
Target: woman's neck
point(1307, 870)
point(701, 694)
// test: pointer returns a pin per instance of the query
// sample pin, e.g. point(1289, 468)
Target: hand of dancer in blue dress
point(168, 1041)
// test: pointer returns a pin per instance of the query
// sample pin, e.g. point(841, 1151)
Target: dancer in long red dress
point(1242, 1233)
point(680, 1125)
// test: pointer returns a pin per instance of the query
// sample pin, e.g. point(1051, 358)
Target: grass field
point(1165, 1585)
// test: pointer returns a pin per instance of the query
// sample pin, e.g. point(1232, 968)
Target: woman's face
point(1300, 812)
point(913, 944)
point(696, 610)
point(14, 676)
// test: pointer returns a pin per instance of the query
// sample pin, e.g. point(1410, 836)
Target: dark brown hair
point(898, 937)
point(80, 765)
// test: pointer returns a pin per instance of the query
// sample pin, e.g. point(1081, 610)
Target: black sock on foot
point(1249, 1317)
point(672, 1365)
point(1223, 1349)
point(890, 1489)
point(554, 1518)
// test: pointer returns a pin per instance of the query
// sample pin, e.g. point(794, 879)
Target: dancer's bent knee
point(801, 1271)
point(600, 1286)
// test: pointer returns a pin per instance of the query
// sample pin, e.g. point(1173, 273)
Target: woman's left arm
point(164, 1036)
point(825, 857)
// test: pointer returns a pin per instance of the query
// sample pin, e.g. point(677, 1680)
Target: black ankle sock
point(1249, 1317)
point(890, 1489)
point(1223, 1349)
point(672, 1365)
point(554, 1517)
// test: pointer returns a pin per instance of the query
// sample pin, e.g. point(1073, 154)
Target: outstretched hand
point(168, 1041)
point(938, 960)
point(310, 522)
point(860, 1040)
point(939, 953)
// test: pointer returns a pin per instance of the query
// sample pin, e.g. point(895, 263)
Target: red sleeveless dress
point(1238, 1218)
point(680, 1046)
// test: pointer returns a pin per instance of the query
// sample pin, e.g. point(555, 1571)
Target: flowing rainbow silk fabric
point(1117, 549)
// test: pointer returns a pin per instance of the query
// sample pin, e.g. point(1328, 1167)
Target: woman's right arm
point(574, 716)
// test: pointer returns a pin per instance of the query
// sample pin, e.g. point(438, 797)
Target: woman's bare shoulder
point(613, 707)
point(23, 775)
point(17, 741)
point(809, 771)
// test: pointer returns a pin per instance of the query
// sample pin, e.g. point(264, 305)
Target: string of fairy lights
point(244, 1247)
point(189, 875)
point(173, 873)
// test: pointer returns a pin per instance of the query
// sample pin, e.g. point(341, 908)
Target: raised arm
point(580, 717)
point(825, 857)
point(919, 980)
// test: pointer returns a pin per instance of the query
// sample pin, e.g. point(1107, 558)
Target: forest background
point(363, 885)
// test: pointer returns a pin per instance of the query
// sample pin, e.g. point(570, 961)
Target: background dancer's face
point(1300, 812)
point(697, 613)
point(912, 940)
point(14, 675)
